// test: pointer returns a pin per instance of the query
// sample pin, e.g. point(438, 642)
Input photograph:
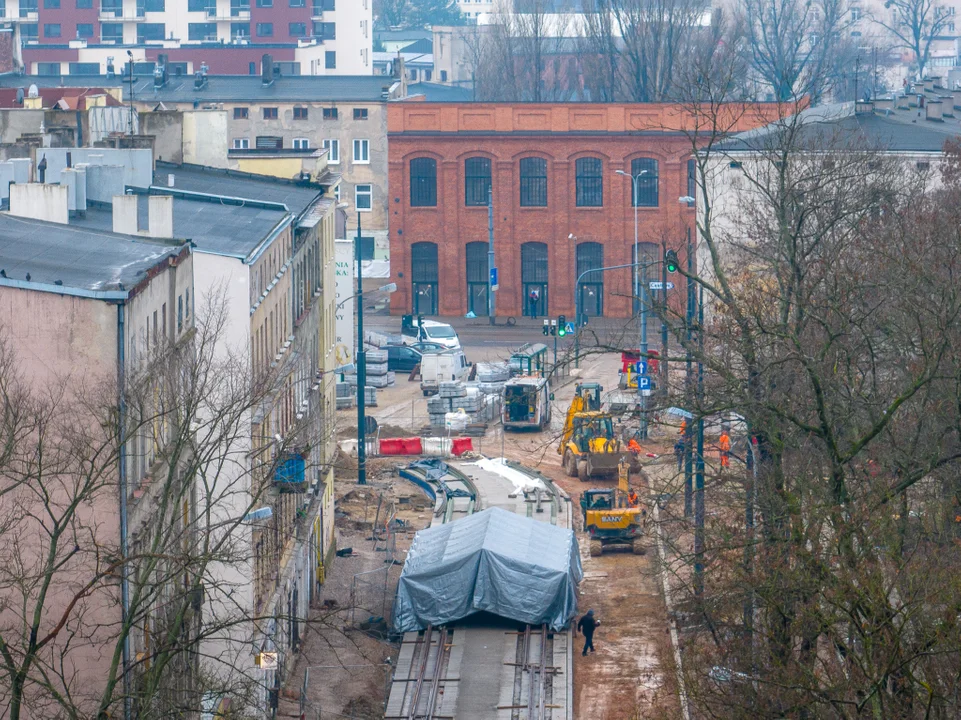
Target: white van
point(419, 330)
point(436, 368)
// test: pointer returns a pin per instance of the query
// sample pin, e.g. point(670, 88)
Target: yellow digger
point(588, 446)
point(610, 517)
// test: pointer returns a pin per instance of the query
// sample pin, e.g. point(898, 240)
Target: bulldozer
point(610, 519)
point(588, 445)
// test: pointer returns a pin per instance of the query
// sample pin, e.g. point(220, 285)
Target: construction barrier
point(459, 446)
point(431, 447)
point(392, 446)
point(412, 446)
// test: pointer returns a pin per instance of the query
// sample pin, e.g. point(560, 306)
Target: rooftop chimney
point(267, 69)
point(160, 216)
point(933, 108)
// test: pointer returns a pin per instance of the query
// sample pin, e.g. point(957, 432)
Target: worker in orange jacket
point(725, 444)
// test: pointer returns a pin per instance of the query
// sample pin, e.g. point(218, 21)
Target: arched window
point(477, 278)
point(423, 278)
point(423, 182)
point(477, 181)
point(590, 256)
point(589, 182)
point(533, 182)
point(646, 183)
point(534, 278)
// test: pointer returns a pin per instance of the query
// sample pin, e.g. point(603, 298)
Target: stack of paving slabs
point(491, 377)
point(377, 373)
point(346, 392)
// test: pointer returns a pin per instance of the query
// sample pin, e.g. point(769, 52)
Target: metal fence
point(369, 596)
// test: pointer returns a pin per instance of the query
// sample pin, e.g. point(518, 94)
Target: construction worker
point(683, 427)
point(587, 625)
point(724, 443)
point(632, 499)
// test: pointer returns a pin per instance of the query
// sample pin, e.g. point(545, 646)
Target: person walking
point(534, 297)
point(724, 443)
point(679, 447)
point(587, 625)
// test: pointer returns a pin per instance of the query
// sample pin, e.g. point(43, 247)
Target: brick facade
point(616, 134)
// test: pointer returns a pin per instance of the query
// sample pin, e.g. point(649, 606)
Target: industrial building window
point(477, 181)
point(423, 182)
point(301, 144)
point(589, 182)
point(51, 30)
point(363, 196)
point(362, 152)
point(265, 29)
point(691, 181)
point(241, 144)
point(150, 32)
point(241, 113)
point(533, 182)
point(330, 113)
point(270, 113)
point(590, 256)
point(297, 29)
point(88, 68)
point(198, 32)
point(477, 278)
point(330, 60)
point(360, 113)
point(85, 30)
point(646, 183)
point(300, 113)
point(333, 151)
point(423, 278)
point(534, 278)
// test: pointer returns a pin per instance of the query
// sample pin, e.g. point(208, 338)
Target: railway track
point(424, 686)
point(533, 675)
point(454, 493)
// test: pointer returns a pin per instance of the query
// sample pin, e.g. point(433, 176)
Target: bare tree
point(914, 24)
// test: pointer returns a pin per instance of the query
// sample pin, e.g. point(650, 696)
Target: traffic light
point(561, 325)
point(553, 327)
point(546, 329)
point(670, 259)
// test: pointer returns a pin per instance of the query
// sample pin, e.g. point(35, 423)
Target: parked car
point(414, 330)
point(402, 358)
point(426, 348)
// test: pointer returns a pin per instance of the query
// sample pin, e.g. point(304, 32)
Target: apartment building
point(84, 37)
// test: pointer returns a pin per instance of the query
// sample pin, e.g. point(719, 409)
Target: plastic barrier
point(392, 446)
point(459, 446)
point(412, 446)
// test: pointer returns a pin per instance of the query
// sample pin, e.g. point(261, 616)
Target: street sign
point(644, 382)
point(640, 367)
point(266, 660)
point(658, 285)
point(570, 327)
point(494, 278)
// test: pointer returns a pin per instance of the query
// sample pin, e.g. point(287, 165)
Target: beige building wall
point(205, 137)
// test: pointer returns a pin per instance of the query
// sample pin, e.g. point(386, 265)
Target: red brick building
point(560, 208)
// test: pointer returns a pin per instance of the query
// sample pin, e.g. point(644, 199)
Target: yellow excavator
point(588, 446)
point(614, 516)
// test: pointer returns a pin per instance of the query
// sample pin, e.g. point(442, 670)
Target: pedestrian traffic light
point(553, 328)
point(670, 259)
point(561, 325)
point(546, 329)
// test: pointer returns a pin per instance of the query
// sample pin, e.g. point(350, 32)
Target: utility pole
point(361, 357)
point(491, 268)
point(699, 479)
point(130, 76)
point(664, 371)
point(689, 378)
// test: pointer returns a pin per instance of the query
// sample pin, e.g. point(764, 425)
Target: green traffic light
point(671, 261)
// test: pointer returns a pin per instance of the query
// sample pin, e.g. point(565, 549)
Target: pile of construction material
point(491, 377)
point(465, 400)
point(378, 376)
point(346, 393)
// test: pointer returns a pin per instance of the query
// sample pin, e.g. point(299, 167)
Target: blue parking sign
point(644, 382)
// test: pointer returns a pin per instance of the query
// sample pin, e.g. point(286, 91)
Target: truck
point(436, 368)
point(527, 403)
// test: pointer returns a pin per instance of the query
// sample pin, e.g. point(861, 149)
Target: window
point(423, 278)
point(198, 32)
point(589, 182)
point(51, 30)
point(477, 278)
point(330, 113)
point(855, 14)
point(477, 181)
point(297, 29)
point(325, 30)
point(270, 113)
point(180, 313)
point(301, 144)
point(87, 68)
point(84, 4)
point(363, 196)
point(109, 32)
point(300, 113)
point(269, 142)
point(150, 32)
point(154, 5)
point(333, 151)
point(691, 182)
point(29, 31)
point(240, 30)
point(241, 144)
point(265, 3)
point(423, 182)
point(534, 278)
point(330, 60)
point(360, 113)
point(196, 5)
point(241, 113)
point(51, 4)
point(646, 183)
point(265, 29)
point(48, 68)
point(533, 182)
point(298, 3)
point(362, 151)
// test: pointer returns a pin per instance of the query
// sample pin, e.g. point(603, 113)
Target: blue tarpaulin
point(493, 561)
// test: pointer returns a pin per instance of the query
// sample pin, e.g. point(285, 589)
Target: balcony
point(235, 14)
point(117, 15)
point(24, 16)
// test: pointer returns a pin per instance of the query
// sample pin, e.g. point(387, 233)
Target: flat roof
point(81, 258)
point(225, 88)
point(297, 196)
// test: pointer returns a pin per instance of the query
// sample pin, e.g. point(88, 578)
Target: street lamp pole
point(490, 256)
point(699, 479)
point(361, 357)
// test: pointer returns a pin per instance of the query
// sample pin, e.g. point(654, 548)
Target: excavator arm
point(577, 405)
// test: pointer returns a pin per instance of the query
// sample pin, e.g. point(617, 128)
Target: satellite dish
point(33, 91)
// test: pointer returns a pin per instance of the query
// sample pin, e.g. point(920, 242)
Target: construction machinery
point(588, 445)
point(610, 518)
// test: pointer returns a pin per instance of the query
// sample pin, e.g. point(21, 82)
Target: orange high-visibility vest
point(725, 442)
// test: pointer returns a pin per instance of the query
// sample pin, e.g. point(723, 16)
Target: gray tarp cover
point(494, 561)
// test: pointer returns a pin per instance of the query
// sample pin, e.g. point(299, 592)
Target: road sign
point(266, 660)
point(494, 278)
point(644, 382)
point(640, 367)
point(570, 327)
point(658, 285)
